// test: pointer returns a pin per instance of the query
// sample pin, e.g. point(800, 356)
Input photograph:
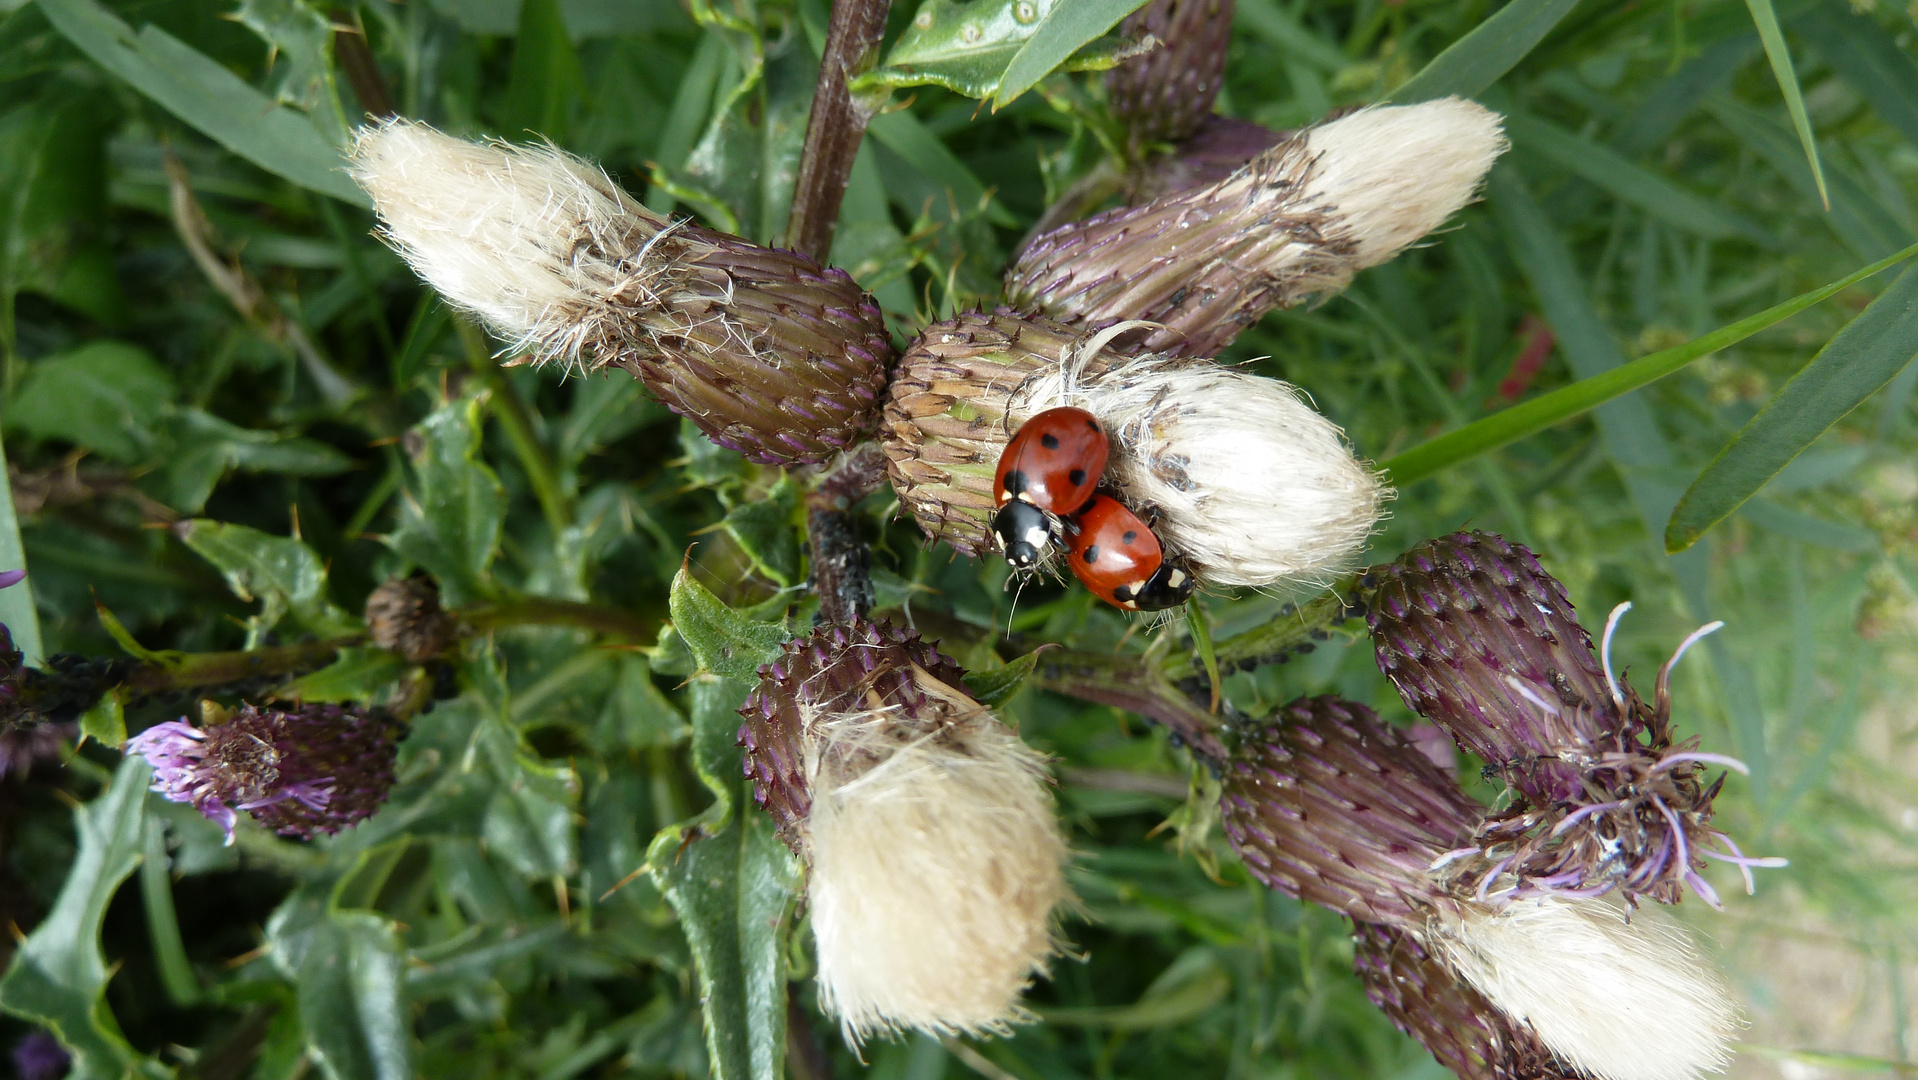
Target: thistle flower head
point(1241, 480)
point(935, 857)
point(39, 1056)
point(1479, 639)
point(300, 772)
point(404, 615)
point(1163, 95)
point(768, 352)
point(1301, 219)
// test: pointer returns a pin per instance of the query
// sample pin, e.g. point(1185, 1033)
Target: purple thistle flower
point(23, 748)
point(39, 1056)
point(1480, 640)
point(300, 772)
point(10, 578)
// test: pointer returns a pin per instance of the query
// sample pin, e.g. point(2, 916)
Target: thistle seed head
point(936, 861)
point(1301, 219)
point(1241, 480)
point(300, 772)
point(404, 616)
point(768, 352)
point(1479, 639)
point(1326, 803)
point(1163, 95)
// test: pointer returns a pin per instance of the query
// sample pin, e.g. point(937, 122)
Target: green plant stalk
point(1121, 681)
point(1527, 418)
point(163, 924)
point(184, 671)
point(538, 611)
point(1293, 631)
point(517, 420)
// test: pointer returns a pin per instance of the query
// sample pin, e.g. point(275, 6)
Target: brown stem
point(1123, 682)
point(357, 64)
point(841, 565)
point(836, 125)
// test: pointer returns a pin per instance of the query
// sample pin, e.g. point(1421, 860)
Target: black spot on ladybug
point(1094, 425)
point(1050, 442)
point(1129, 537)
point(1092, 554)
point(1076, 477)
point(1124, 593)
point(1015, 482)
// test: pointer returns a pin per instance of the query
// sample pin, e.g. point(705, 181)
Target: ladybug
point(1121, 562)
point(1047, 472)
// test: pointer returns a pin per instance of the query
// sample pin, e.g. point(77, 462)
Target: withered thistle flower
point(404, 616)
point(1239, 478)
point(300, 772)
point(1325, 802)
point(1163, 95)
point(935, 857)
point(1300, 220)
point(770, 353)
point(1479, 639)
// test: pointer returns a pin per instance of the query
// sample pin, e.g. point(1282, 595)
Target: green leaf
point(995, 686)
point(352, 998)
point(280, 572)
point(1768, 32)
point(58, 977)
point(764, 530)
point(907, 136)
point(107, 396)
point(17, 611)
point(202, 448)
point(360, 674)
point(1482, 57)
point(302, 42)
point(1863, 357)
point(1063, 30)
point(203, 93)
point(450, 520)
point(967, 45)
point(106, 721)
point(731, 882)
point(1856, 216)
point(1530, 417)
point(547, 83)
point(1632, 183)
point(725, 642)
point(1861, 53)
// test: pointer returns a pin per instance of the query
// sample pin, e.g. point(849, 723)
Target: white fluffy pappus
point(1385, 176)
point(937, 864)
point(521, 236)
point(1234, 471)
point(1617, 998)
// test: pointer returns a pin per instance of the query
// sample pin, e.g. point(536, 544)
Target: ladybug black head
point(1024, 532)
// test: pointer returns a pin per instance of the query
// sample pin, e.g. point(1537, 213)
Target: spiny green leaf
point(1063, 30)
point(302, 42)
point(1775, 50)
point(202, 92)
point(724, 641)
point(995, 686)
point(360, 674)
point(1863, 357)
point(351, 983)
point(106, 396)
point(282, 573)
point(106, 721)
point(450, 520)
point(59, 976)
point(966, 46)
point(1482, 57)
point(763, 528)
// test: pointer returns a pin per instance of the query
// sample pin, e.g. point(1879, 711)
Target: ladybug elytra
point(1047, 472)
point(1121, 562)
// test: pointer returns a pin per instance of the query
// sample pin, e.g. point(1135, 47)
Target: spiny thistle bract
point(935, 858)
point(1205, 263)
point(1239, 478)
point(1325, 802)
point(299, 771)
point(1479, 639)
point(768, 352)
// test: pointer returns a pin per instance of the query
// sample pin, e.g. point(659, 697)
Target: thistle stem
point(1124, 683)
point(836, 125)
point(362, 71)
point(185, 671)
point(539, 611)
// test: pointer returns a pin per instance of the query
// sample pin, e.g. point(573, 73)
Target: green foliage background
point(221, 478)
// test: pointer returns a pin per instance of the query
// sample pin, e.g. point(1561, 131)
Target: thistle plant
point(509, 501)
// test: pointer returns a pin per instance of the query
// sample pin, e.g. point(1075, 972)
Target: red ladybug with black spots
point(1048, 471)
point(1121, 561)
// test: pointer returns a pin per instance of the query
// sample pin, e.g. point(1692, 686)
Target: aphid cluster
point(1046, 491)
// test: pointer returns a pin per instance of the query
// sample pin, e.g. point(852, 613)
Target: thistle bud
point(300, 772)
point(404, 615)
point(1300, 220)
point(1425, 999)
point(1326, 803)
point(1163, 95)
point(1479, 639)
point(1241, 480)
point(768, 352)
point(936, 859)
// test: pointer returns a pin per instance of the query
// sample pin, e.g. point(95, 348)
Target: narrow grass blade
point(1482, 57)
point(1855, 364)
point(22, 619)
point(1780, 57)
point(1068, 26)
point(1526, 418)
point(1861, 53)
